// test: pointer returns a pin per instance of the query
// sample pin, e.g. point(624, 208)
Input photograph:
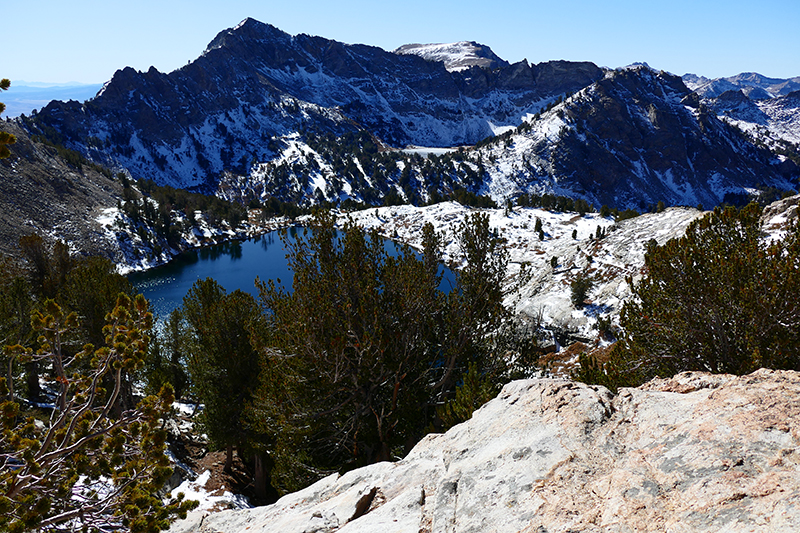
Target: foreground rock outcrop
point(697, 452)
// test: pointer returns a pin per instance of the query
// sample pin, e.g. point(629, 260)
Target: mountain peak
point(455, 56)
point(249, 29)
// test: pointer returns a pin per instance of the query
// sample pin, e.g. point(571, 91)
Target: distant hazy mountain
point(23, 97)
point(751, 84)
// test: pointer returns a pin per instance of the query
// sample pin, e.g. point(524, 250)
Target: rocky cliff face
point(696, 452)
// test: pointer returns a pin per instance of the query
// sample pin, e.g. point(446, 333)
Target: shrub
point(579, 287)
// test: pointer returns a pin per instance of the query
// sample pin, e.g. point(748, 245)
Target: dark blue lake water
point(235, 265)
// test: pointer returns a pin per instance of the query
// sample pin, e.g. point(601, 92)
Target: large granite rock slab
point(696, 452)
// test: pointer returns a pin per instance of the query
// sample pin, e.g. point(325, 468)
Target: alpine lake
point(234, 265)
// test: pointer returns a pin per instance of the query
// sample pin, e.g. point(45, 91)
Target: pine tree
point(223, 365)
point(367, 343)
point(720, 299)
point(362, 325)
point(579, 287)
point(168, 357)
point(81, 468)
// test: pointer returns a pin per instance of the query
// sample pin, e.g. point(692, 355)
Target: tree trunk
point(32, 381)
point(125, 400)
point(228, 468)
point(262, 478)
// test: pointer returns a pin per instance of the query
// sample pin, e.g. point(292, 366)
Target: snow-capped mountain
point(263, 114)
point(767, 109)
point(752, 84)
point(632, 139)
point(456, 56)
point(255, 82)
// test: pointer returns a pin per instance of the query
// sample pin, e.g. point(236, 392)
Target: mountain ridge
point(226, 116)
point(263, 75)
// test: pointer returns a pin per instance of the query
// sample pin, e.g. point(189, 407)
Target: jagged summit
point(455, 56)
point(249, 29)
point(636, 65)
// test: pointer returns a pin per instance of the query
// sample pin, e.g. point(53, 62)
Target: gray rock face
point(696, 452)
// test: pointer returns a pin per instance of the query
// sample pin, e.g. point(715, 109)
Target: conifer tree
point(81, 468)
point(223, 365)
point(723, 298)
point(169, 354)
point(362, 327)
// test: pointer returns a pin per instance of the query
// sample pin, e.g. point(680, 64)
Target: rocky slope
point(43, 193)
point(696, 452)
point(55, 193)
point(774, 122)
point(633, 139)
point(767, 109)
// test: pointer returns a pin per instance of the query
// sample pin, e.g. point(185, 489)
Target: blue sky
point(88, 40)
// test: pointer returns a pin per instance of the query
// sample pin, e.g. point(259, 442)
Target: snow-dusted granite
point(697, 452)
point(609, 260)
